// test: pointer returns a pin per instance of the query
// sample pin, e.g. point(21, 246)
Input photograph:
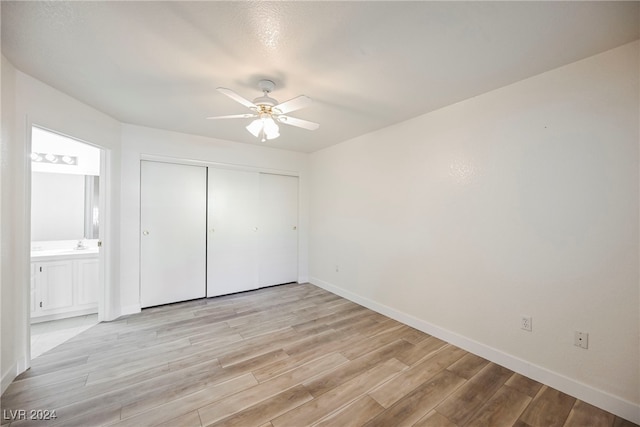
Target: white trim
point(106, 287)
point(24, 324)
point(8, 377)
point(219, 165)
point(616, 405)
point(58, 316)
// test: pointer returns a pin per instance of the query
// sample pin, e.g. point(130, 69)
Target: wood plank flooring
point(292, 355)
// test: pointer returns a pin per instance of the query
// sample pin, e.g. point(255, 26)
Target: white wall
point(139, 141)
point(9, 335)
point(35, 103)
point(521, 201)
point(42, 105)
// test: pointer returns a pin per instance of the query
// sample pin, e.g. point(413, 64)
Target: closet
point(245, 236)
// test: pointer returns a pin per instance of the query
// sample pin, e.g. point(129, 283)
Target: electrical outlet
point(526, 323)
point(337, 268)
point(581, 339)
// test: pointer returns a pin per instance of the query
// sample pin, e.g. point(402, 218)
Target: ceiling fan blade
point(305, 124)
point(233, 116)
point(231, 94)
point(293, 104)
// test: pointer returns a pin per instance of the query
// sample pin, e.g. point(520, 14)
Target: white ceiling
point(366, 65)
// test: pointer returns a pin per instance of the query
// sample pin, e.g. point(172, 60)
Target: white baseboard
point(50, 317)
point(601, 399)
point(8, 377)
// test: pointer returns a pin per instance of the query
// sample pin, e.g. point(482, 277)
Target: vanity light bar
point(62, 159)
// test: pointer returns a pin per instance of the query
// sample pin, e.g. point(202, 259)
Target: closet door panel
point(173, 203)
point(233, 231)
point(278, 229)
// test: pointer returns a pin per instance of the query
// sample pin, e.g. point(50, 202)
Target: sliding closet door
point(278, 244)
point(233, 231)
point(173, 203)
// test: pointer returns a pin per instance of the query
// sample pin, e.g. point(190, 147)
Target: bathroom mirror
point(64, 206)
point(65, 176)
point(91, 203)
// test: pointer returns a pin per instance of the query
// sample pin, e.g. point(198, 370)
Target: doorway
point(67, 200)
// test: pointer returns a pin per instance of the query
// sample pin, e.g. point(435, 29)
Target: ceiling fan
point(268, 112)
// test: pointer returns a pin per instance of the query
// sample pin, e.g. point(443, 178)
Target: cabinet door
point(54, 284)
point(278, 247)
point(86, 281)
point(233, 230)
point(173, 215)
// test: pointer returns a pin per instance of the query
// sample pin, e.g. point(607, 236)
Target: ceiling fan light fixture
point(264, 127)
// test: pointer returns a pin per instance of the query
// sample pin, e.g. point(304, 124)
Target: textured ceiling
point(366, 65)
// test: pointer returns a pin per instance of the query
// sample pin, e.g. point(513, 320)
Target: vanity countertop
point(50, 254)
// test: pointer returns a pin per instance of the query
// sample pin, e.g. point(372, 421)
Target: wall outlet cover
point(526, 323)
point(581, 339)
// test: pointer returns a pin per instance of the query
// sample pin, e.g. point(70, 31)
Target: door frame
point(105, 309)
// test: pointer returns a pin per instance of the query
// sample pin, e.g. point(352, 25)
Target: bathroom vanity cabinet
point(64, 285)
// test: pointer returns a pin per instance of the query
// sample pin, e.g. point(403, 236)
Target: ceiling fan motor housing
point(266, 86)
point(265, 100)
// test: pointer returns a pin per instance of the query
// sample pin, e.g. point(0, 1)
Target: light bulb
point(264, 128)
point(255, 127)
point(271, 128)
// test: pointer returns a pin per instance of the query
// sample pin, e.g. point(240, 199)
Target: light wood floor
point(292, 355)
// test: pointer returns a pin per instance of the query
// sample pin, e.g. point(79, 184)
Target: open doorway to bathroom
point(65, 245)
